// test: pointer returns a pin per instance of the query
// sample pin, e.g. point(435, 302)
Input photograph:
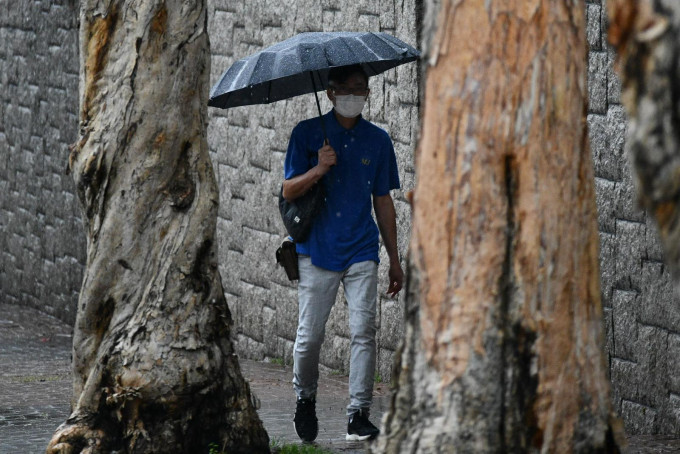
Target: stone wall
point(42, 245)
point(642, 315)
point(42, 242)
point(248, 146)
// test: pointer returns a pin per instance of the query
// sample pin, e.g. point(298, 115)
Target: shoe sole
point(303, 440)
point(355, 437)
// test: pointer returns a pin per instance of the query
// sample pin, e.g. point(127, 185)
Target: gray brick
point(247, 347)
point(653, 344)
point(638, 419)
point(597, 82)
point(616, 133)
point(605, 165)
point(604, 18)
point(671, 416)
point(629, 253)
point(613, 79)
point(605, 193)
point(626, 198)
point(287, 314)
point(593, 30)
point(662, 307)
point(387, 15)
point(608, 331)
point(673, 370)
point(309, 17)
point(384, 368)
point(247, 312)
point(221, 39)
point(335, 352)
point(624, 311)
point(654, 250)
point(338, 321)
point(269, 322)
point(287, 350)
point(392, 326)
point(625, 376)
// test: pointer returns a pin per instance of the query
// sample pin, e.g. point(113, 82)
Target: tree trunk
point(645, 34)
point(154, 367)
point(503, 347)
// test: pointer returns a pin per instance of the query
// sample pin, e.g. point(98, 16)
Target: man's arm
point(298, 185)
point(387, 223)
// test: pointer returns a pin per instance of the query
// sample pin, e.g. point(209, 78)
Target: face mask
point(349, 106)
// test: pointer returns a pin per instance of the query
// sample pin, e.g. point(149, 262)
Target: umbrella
point(300, 65)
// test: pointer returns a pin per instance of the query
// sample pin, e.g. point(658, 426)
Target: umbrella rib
point(238, 76)
point(387, 41)
point(351, 48)
point(368, 48)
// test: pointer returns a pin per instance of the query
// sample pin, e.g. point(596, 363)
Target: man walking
point(358, 168)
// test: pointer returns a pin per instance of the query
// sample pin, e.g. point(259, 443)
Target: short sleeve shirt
point(345, 232)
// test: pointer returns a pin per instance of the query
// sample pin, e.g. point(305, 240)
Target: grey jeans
point(317, 291)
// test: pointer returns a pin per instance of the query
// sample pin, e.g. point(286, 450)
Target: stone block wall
point(42, 243)
point(248, 146)
point(642, 314)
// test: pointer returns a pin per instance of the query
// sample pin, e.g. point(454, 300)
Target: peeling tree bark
point(503, 349)
point(154, 367)
point(645, 34)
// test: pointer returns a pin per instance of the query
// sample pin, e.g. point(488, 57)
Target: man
point(358, 168)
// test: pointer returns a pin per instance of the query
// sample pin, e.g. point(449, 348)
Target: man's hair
point(340, 74)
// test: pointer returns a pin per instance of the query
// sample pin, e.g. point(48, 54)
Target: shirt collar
point(333, 127)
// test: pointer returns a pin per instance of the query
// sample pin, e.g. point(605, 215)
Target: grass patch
point(278, 447)
point(277, 361)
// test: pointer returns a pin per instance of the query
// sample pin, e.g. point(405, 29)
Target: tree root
point(77, 438)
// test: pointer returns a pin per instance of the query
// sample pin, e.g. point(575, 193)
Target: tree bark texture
point(645, 35)
point(154, 366)
point(503, 347)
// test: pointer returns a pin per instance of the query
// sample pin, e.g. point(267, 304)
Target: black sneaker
point(360, 428)
point(306, 424)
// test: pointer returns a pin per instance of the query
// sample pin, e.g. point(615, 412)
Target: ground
point(35, 389)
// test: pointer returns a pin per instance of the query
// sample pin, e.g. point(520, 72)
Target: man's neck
point(347, 123)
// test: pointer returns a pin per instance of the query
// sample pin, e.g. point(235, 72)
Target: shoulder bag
point(299, 214)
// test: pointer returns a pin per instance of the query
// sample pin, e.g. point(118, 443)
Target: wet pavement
point(35, 392)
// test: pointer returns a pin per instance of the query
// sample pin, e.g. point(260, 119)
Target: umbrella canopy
point(300, 65)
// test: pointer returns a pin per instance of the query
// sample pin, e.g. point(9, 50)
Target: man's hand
point(297, 186)
point(327, 158)
point(396, 276)
point(387, 223)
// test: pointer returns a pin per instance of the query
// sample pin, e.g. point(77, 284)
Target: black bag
point(287, 257)
point(299, 214)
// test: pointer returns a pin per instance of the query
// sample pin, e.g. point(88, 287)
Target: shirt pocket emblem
point(365, 161)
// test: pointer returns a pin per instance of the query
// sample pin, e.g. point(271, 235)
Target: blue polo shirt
point(345, 232)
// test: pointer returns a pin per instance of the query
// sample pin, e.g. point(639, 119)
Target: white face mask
point(349, 106)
